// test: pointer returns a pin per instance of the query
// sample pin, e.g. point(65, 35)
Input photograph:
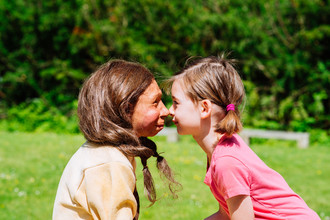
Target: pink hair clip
point(230, 107)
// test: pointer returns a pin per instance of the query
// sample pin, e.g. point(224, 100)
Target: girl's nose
point(164, 111)
point(171, 110)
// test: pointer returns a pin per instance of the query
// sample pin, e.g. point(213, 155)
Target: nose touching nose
point(171, 111)
point(165, 112)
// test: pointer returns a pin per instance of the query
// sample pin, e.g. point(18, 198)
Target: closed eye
point(175, 104)
point(157, 101)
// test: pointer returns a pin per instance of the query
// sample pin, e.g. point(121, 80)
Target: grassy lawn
point(31, 166)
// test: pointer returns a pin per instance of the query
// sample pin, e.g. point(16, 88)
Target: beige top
point(97, 183)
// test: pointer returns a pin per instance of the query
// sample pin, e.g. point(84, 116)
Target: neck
point(207, 141)
point(207, 138)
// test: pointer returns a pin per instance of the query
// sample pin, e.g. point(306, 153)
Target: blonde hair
point(105, 105)
point(215, 78)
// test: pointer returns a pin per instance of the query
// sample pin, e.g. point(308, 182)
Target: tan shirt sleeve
point(106, 192)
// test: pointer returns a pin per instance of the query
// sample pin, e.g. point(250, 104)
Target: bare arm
point(240, 207)
point(219, 215)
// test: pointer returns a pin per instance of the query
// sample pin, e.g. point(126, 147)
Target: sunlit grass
point(31, 166)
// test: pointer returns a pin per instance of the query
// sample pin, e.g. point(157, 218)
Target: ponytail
point(230, 124)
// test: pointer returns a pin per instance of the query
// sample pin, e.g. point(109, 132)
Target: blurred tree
point(47, 48)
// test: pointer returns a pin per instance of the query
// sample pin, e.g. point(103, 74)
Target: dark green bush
point(36, 116)
point(48, 48)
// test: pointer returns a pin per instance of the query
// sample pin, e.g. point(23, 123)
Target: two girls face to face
point(150, 112)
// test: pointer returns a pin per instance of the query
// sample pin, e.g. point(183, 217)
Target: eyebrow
point(158, 95)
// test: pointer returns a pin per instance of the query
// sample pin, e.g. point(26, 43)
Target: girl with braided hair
point(119, 106)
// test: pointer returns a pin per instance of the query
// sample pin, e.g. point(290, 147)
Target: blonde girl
point(119, 106)
point(206, 98)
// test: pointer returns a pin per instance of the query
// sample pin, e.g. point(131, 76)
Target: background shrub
point(48, 48)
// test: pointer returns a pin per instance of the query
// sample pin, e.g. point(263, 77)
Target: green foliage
point(318, 136)
point(48, 48)
point(32, 165)
point(36, 116)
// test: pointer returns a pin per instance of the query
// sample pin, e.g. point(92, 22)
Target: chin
point(180, 131)
point(151, 134)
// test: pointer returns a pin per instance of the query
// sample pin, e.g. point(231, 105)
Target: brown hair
point(215, 79)
point(105, 106)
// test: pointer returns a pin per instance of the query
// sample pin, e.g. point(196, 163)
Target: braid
point(162, 165)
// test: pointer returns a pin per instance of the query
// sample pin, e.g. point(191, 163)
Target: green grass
point(31, 166)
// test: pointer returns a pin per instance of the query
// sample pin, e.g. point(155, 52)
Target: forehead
point(152, 91)
point(178, 89)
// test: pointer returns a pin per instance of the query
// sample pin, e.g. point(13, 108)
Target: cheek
point(180, 113)
point(150, 118)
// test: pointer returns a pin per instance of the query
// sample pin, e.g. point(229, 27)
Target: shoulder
point(231, 176)
point(228, 163)
point(230, 157)
point(90, 155)
point(110, 172)
point(232, 146)
point(234, 141)
point(231, 153)
point(93, 160)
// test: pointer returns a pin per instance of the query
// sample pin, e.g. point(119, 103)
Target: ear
point(206, 108)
